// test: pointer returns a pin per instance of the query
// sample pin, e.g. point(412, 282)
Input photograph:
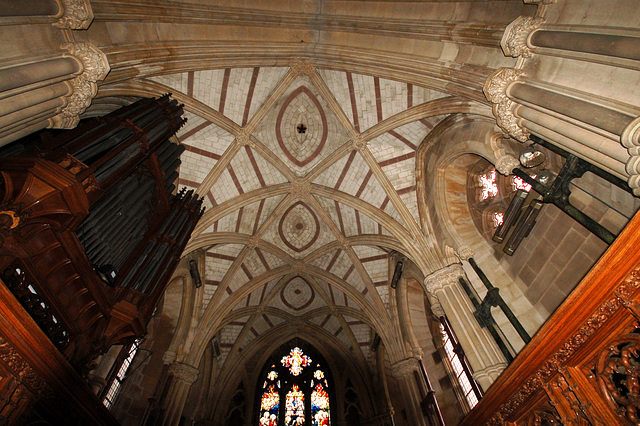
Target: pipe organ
point(91, 229)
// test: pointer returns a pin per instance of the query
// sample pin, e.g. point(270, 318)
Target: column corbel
point(496, 90)
point(95, 67)
point(515, 40)
point(73, 14)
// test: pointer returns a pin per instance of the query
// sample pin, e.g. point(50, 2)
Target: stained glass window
point(488, 185)
point(318, 374)
point(296, 361)
point(320, 406)
point(294, 405)
point(272, 375)
point(269, 407)
point(498, 219)
point(518, 183)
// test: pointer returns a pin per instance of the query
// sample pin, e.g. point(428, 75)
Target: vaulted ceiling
point(304, 121)
point(306, 203)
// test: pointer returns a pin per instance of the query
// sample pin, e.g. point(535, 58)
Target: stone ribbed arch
point(145, 59)
point(212, 318)
point(473, 135)
point(338, 359)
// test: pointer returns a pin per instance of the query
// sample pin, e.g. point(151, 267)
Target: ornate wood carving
point(584, 357)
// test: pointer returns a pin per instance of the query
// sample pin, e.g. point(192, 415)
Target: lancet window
point(295, 388)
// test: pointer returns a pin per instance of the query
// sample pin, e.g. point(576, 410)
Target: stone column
point(599, 130)
point(183, 376)
point(97, 377)
point(482, 353)
point(50, 91)
point(404, 371)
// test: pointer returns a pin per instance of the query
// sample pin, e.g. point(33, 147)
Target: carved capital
point(443, 278)
point(184, 372)
point(495, 90)
point(168, 357)
point(302, 67)
point(465, 253)
point(74, 14)
point(514, 40)
point(404, 368)
point(436, 308)
point(506, 164)
point(417, 352)
point(95, 67)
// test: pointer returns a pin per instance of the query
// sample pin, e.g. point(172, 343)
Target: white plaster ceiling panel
point(365, 100)
point(207, 293)
point(365, 252)
point(393, 97)
point(422, 94)
point(228, 336)
point(297, 296)
point(344, 337)
point(246, 178)
point(333, 326)
point(329, 177)
point(267, 80)
point(353, 174)
point(298, 230)
point(226, 187)
point(179, 82)
point(337, 82)
point(254, 264)
point(268, 259)
point(237, 94)
point(241, 277)
point(410, 200)
point(301, 147)
point(264, 170)
point(206, 136)
point(227, 223)
point(323, 261)
point(208, 86)
point(383, 292)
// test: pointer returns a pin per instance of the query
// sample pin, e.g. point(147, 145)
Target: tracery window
point(295, 388)
point(489, 194)
point(122, 369)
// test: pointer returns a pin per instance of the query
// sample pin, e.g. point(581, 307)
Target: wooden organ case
point(91, 229)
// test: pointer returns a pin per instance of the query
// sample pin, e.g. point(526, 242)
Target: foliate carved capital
point(184, 372)
point(465, 253)
point(495, 90)
point(404, 368)
point(302, 67)
point(168, 357)
point(436, 309)
point(506, 164)
point(74, 14)
point(514, 40)
point(95, 67)
point(443, 278)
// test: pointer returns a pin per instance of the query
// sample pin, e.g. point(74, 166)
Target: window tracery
point(489, 194)
point(295, 388)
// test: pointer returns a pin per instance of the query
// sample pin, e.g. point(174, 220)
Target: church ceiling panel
point(337, 82)
point(229, 223)
point(410, 199)
point(237, 96)
point(296, 297)
point(299, 230)
point(204, 137)
point(265, 172)
point(300, 128)
point(227, 186)
point(179, 82)
point(329, 177)
point(324, 261)
point(228, 336)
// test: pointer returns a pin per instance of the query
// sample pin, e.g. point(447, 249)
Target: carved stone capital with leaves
point(74, 14)
point(404, 368)
point(95, 67)
point(443, 278)
point(184, 372)
point(514, 41)
point(495, 90)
